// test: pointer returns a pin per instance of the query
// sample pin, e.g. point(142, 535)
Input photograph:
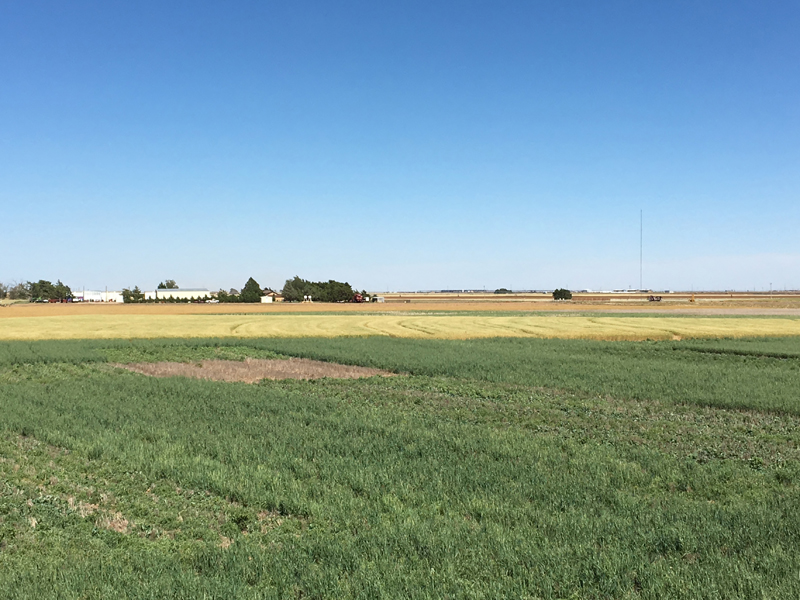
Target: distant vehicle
point(654, 298)
point(212, 301)
point(358, 298)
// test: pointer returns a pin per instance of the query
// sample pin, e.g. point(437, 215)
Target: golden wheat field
point(439, 326)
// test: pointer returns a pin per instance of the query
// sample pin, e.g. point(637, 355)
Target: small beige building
point(270, 296)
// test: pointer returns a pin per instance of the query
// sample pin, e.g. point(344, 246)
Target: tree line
point(251, 292)
point(36, 291)
point(294, 290)
point(135, 295)
point(297, 290)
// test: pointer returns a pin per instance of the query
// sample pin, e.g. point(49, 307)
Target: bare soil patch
point(253, 370)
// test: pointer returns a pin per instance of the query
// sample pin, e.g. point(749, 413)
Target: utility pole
point(641, 239)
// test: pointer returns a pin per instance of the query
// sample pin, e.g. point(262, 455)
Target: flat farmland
point(604, 300)
point(484, 468)
point(178, 451)
point(436, 325)
point(705, 304)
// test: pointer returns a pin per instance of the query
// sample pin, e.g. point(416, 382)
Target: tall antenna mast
point(640, 249)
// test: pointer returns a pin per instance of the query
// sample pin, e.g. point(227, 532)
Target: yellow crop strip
point(394, 325)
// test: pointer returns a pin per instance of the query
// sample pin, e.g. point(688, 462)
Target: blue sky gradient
point(401, 146)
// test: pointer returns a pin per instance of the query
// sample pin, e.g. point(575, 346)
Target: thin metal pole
point(641, 238)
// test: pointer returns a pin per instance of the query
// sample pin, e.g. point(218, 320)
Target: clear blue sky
point(401, 146)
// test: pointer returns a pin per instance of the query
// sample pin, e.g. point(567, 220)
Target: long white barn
point(178, 294)
point(96, 296)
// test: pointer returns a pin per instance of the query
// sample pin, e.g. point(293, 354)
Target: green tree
point(169, 284)
point(19, 291)
point(40, 290)
point(61, 291)
point(134, 295)
point(502, 291)
point(251, 292)
point(336, 291)
point(562, 294)
point(295, 290)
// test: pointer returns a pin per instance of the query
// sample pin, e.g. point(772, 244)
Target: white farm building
point(95, 296)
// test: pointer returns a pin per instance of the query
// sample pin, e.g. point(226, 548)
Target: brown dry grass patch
point(113, 521)
point(253, 370)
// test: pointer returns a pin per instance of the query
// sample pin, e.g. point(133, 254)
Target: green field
point(496, 468)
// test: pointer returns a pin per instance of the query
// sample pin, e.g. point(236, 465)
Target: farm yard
point(510, 466)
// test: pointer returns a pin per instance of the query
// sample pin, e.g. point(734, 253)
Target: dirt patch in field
point(252, 370)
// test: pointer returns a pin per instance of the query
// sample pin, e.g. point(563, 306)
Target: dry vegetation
point(752, 304)
point(252, 370)
point(400, 325)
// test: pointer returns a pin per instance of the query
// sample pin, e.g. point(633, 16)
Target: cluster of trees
point(16, 291)
point(36, 291)
point(295, 290)
point(562, 294)
point(502, 291)
point(134, 295)
point(251, 292)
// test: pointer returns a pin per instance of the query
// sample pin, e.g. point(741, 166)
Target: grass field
point(496, 468)
point(413, 325)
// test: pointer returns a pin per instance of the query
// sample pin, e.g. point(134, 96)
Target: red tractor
point(358, 297)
